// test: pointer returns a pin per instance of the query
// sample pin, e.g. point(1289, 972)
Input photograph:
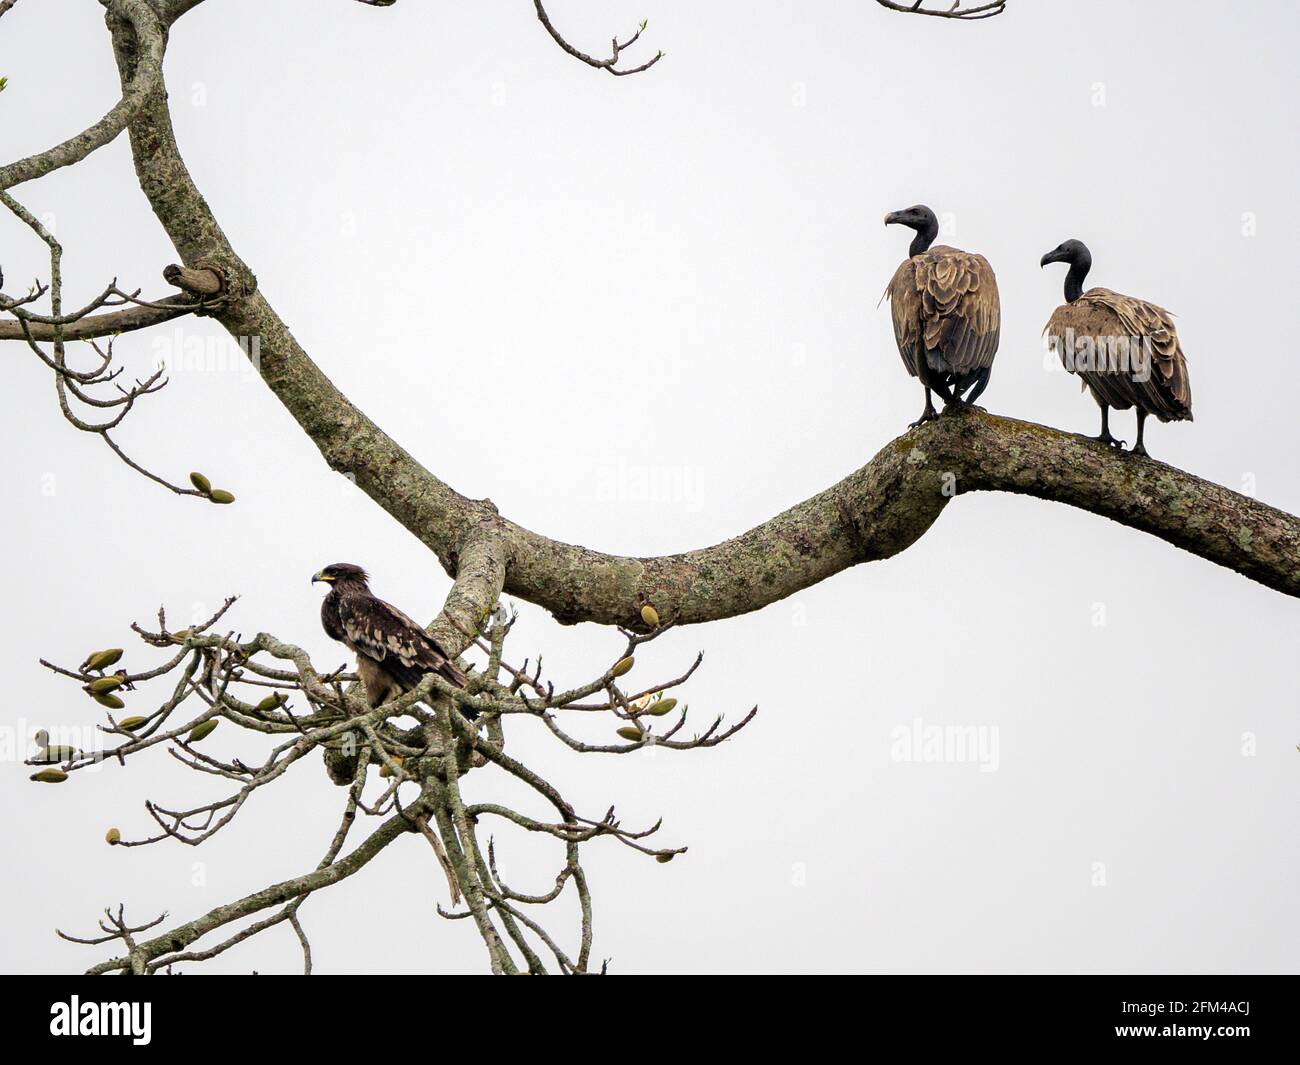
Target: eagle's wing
point(382, 632)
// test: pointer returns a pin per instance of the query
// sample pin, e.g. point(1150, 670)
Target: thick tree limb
point(875, 513)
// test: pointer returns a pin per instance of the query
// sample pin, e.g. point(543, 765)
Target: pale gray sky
point(652, 302)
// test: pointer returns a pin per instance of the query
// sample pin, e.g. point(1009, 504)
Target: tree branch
point(970, 14)
point(616, 47)
point(874, 513)
point(147, 41)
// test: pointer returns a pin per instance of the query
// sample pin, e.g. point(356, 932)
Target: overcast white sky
point(650, 304)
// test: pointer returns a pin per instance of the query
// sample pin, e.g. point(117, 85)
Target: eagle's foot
point(1106, 438)
point(1139, 449)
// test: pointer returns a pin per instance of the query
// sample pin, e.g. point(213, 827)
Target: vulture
point(1126, 350)
point(393, 652)
point(946, 314)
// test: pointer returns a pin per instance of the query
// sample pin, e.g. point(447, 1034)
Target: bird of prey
point(393, 652)
point(1126, 350)
point(947, 315)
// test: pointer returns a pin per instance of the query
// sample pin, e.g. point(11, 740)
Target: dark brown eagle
point(947, 315)
point(1125, 349)
point(393, 652)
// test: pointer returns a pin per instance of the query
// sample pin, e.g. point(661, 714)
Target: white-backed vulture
point(946, 314)
point(1126, 350)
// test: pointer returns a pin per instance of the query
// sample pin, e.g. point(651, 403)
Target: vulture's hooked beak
point(1048, 258)
point(892, 218)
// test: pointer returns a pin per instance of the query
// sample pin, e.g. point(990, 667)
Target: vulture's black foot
point(1139, 449)
point(927, 415)
point(1106, 438)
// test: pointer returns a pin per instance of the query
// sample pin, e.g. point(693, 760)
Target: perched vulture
point(946, 314)
point(393, 652)
point(1125, 349)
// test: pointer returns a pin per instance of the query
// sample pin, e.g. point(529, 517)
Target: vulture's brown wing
point(1167, 391)
point(1086, 317)
point(946, 305)
point(904, 306)
point(384, 633)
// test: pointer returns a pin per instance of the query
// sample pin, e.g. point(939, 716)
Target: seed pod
point(182, 636)
point(622, 666)
point(664, 859)
point(104, 685)
point(630, 733)
point(112, 836)
point(58, 754)
point(650, 616)
point(220, 495)
point(201, 483)
point(202, 729)
point(130, 724)
point(108, 699)
point(101, 660)
point(662, 706)
point(384, 771)
point(271, 702)
point(50, 776)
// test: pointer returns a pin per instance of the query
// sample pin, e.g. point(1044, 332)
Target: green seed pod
point(50, 776)
point(623, 666)
point(664, 859)
point(271, 702)
point(662, 706)
point(630, 733)
point(104, 685)
point(59, 754)
point(101, 660)
point(201, 483)
point(108, 699)
point(384, 771)
point(650, 616)
point(202, 729)
point(130, 724)
point(182, 636)
point(220, 495)
point(112, 836)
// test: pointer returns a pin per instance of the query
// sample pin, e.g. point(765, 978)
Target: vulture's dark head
point(1074, 252)
point(342, 573)
point(920, 218)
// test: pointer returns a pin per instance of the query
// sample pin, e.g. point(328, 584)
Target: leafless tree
point(422, 743)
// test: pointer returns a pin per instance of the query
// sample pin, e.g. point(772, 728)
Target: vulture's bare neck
point(1074, 279)
point(923, 239)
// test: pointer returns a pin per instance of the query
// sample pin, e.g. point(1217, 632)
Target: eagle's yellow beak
point(321, 577)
